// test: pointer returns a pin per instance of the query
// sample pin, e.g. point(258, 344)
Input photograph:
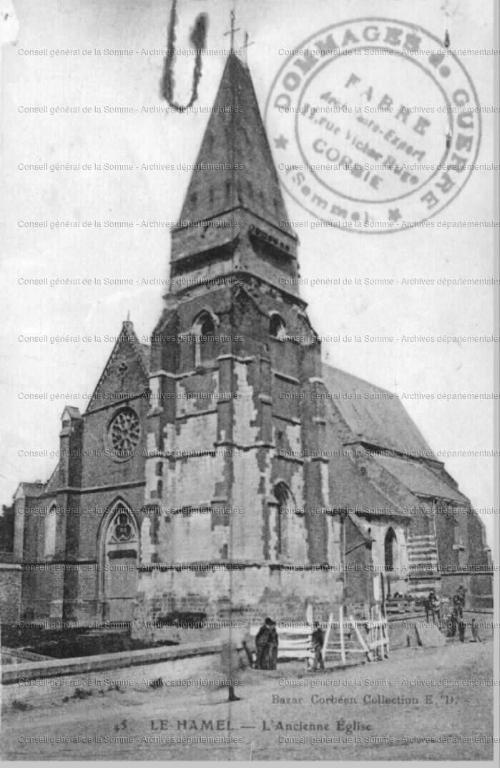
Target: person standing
point(457, 619)
point(476, 637)
point(273, 646)
point(318, 639)
point(262, 639)
point(462, 592)
point(433, 606)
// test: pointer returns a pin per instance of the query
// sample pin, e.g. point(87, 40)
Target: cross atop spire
point(233, 29)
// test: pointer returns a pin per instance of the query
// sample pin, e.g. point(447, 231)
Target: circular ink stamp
point(375, 125)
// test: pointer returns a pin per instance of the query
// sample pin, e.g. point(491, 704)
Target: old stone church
point(225, 465)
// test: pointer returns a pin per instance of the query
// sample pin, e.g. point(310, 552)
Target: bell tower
point(233, 429)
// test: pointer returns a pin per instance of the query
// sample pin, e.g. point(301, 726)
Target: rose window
point(124, 432)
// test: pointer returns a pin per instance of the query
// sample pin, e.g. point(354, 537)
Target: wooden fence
point(344, 636)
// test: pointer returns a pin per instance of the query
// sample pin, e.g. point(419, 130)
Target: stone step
point(429, 553)
point(423, 585)
point(421, 578)
point(422, 565)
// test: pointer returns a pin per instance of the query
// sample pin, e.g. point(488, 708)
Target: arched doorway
point(119, 559)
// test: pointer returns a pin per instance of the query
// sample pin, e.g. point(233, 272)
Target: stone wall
point(244, 592)
point(10, 593)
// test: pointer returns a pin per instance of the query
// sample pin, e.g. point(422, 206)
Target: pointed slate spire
point(235, 166)
point(234, 218)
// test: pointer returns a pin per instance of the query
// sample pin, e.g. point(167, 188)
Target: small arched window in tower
point(262, 198)
point(250, 190)
point(283, 498)
point(390, 550)
point(50, 530)
point(290, 527)
point(228, 190)
point(277, 327)
point(159, 489)
point(193, 199)
point(211, 195)
point(159, 469)
point(204, 341)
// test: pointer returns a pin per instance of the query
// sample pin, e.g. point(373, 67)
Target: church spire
point(235, 164)
point(234, 177)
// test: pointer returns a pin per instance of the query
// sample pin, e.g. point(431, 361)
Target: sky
point(74, 64)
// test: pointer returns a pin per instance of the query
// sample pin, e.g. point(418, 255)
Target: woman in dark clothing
point(262, 645)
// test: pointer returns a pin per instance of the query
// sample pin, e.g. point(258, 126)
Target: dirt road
point(420, 704)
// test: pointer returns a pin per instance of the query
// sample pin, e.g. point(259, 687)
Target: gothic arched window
point(390, 550)
point(204, 341)
point(50, 532)
point(290, 527)
point(283, 496)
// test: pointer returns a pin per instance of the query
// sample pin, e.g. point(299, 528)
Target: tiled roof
point(351, 490)
point(53, 481)
point(374, 415)
point(349, 487)
point(419, 478)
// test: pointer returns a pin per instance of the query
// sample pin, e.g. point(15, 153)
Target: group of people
point(266, 646)
point(456, 622)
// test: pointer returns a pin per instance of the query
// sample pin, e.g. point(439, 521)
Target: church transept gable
point(126, 372)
